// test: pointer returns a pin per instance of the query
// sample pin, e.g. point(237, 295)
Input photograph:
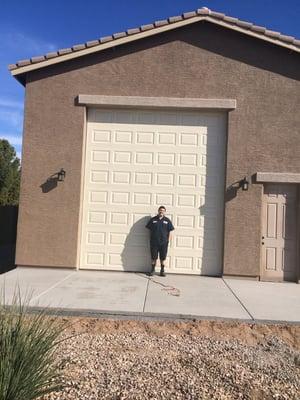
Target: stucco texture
point(201, 60)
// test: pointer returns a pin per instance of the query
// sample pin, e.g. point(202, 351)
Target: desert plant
point(28, 342)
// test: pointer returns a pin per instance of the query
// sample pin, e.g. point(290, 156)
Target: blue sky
point(35, 27)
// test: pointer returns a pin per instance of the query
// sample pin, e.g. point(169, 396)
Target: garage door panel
point(136, 161)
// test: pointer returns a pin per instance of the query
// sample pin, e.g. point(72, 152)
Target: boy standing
point(160, 228)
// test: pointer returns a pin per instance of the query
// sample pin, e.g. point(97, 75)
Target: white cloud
point(7, 103)
point(11, 118)
point(24, 44)
point(13, 139)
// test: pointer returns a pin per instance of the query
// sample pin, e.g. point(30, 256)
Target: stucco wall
point(202, 61)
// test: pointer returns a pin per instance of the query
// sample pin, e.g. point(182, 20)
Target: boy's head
point(161, 211)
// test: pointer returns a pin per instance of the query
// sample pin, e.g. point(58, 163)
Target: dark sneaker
point(151, 273)
point(162, 271)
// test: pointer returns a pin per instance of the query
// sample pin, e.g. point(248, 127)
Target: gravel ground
point(189, 360)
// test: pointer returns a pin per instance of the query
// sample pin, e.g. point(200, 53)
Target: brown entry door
point(279, 232)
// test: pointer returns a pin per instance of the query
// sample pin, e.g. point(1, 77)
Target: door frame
point(159, 104)
point(297, 278)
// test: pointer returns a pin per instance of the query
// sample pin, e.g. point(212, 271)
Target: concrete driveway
point(137, 295)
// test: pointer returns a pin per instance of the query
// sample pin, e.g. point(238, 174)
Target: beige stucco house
point(200, 113)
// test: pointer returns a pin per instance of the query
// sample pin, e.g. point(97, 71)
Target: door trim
point(156, 102)
point(297, 275)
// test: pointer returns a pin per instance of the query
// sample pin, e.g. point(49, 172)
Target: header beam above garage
point(156, 102)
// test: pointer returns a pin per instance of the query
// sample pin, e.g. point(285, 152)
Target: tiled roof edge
point(204, 11)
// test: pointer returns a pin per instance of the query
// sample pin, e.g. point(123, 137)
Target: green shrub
point(28, 342)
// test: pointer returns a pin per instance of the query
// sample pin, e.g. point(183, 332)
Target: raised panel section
point(119, 218)
point(186, 200)
point(115, 259)
point(120, 197)
point(186, 242)
point(186, 221)
point(100, 156)
point(166, 138)
point(121, 177)
point(117, 238)
point(142, 198)
point(101, 136)
point(97, 217)
point(143, 178)
point(187, 180)
point(123, 137)
point(165, 179)
point(165, 199)
point(189, 139)
point(184, 263)
point(96, 238)
point(145, 137)
point(122, 157)
point(271, 258)
point(143, 158)
point(188, 159)
point(99, 176)
point(271, 220)
point(166, 159)
point(95, 258)
point(98, 197)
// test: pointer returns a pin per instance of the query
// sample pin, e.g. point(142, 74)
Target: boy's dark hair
point(162, 207)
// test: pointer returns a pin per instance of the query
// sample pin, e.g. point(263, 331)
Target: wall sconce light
point(244, 184)
point(61, 175)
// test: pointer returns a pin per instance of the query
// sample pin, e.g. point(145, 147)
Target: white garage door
point(137, 160)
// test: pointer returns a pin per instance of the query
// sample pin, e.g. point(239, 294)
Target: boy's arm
point(171, 228)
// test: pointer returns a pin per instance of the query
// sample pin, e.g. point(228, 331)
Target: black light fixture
point(244, 184)
point(61, 175)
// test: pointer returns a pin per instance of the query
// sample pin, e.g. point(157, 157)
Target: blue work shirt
point(160, 229)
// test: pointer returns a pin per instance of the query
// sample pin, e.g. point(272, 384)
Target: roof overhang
point(113, 42)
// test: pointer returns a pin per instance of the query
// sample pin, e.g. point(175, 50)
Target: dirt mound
point(247, 333)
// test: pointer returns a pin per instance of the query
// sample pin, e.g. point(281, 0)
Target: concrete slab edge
point(146, 316)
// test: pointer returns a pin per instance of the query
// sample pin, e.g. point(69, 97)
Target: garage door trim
point(156, 102)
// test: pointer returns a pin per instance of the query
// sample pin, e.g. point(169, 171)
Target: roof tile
point(92, 43)
point(176, 18)
point(65, 51)
point(287, 39)
point(272, 34)
point(105, 39)
point(119, 35)
point(189, 14)
point(37, 59)
point(256, 28)
point(77, 47)
point(244, 24)
point(161, 23)
point(147, 27)
point(203, 11)
point(12, 66)
point(230, 19)
point(132, 31)
point(22, 63)
point(217, 15)
point(52, 54)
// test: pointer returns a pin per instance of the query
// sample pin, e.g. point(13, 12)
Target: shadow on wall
point(136, 253)
point(8, 233)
